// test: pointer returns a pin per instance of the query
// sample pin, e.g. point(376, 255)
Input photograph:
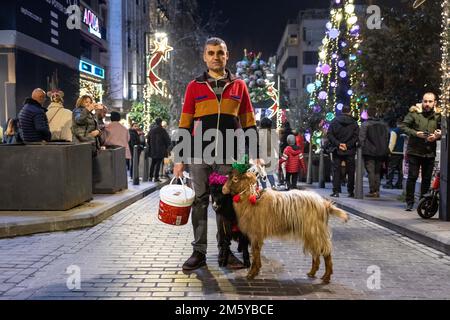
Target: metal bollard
point(135, 166)
point(321, 170)
point(146, 165)
point(359, 192)
point(309, 173)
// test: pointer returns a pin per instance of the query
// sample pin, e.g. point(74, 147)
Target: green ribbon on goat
point(243, 166)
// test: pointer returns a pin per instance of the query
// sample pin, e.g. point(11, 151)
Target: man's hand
point(342, 147)
point(178, 170)
point(421, 134)
point(95, 133)
point(432, 138)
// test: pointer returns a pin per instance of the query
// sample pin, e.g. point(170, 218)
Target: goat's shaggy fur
point(299, 215)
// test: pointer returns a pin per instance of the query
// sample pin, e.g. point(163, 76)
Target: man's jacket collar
point(204, 77)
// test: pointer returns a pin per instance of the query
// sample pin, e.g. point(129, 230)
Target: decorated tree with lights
point(338, 74)
point(259, 77)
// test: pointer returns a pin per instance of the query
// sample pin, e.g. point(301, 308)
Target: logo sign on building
point(91, 20)
point(91, 69)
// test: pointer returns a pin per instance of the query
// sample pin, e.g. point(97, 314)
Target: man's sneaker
point(409, 206)
point(334, 195)
point(197, 260)
point(157, 180)
point(224, 253)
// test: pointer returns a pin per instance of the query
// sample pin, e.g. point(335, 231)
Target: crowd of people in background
point(87, 123)
point(382, 142)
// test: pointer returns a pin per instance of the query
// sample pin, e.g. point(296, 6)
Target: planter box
point(50, 177)
point(110, 171)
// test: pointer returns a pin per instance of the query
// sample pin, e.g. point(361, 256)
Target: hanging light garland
point(337, 71)
point(445, 66)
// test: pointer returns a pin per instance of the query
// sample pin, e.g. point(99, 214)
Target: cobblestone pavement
point(134, 256)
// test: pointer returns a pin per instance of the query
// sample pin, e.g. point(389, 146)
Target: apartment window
point(307, 79)
point(86, 49)
point(291, 62)
point(293, 84)
point(293, 40)
point(310, 57)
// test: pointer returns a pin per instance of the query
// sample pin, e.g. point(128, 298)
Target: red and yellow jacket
point(201, 105)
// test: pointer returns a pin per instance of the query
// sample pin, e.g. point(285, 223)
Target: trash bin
point(110, 171)
point(45, 177)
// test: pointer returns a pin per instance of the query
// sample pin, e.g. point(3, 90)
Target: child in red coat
point(293, 157)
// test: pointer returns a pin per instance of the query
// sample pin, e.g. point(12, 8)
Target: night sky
point(259, 24)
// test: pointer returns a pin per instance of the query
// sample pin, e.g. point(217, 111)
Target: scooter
point(429, 204)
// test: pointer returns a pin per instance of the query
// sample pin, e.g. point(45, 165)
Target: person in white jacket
point(59, 118)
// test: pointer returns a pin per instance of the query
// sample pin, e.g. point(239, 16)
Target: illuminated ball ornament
point(364, 115)
point(350, 92)
point(326, 69)
point(352, 57)
point(343, 74)
point(330, 116)
point(329, 25)
point(317, 109)
point(310, 88)
point(340, 106)
point(349, 8)
point(352, 20)
point(343, 44)
point(341, 63)
point(318, 69)
point(323, 95)
point(334, 33)
point(317, 134)
point(322, 55)
point(318, 83)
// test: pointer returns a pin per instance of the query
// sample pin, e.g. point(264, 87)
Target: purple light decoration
point(334, 55)
point(364, 115)
point(318, 69)
point(341, 63)
point(339, 106)
point(338, 1)
point(308, 137)
point(333, 84)
point(326, 126)
point(323, 95)
point(343, 74)
point(350, 92)
point(343, 44)
point(317, 109)
point(326, 69)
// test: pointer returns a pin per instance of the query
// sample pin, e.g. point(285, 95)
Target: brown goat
point(301, 215)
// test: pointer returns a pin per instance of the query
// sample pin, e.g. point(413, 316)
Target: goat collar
point(254, 194)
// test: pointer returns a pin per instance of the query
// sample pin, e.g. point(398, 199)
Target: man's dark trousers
point(350, 167)
point(416, 163)
point(199, 174)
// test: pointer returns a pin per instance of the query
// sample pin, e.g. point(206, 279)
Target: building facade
point(36, 50)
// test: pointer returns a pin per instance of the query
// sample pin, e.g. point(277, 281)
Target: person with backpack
point(374, 139)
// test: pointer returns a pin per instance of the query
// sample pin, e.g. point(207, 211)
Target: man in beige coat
point(59, 118)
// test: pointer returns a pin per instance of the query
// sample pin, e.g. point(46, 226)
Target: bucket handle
point(182, 183)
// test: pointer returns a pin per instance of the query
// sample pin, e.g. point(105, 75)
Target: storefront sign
point(91, 19)
point(91, 69)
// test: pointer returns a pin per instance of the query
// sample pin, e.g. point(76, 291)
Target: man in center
point(215, 100)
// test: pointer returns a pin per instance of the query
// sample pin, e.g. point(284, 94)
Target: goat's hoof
point(326, 279)
point(252, 274)
point(311, 275)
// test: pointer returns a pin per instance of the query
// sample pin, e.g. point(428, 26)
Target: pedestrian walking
point(159, 143)
point(117, 135)
point(293, 157)
point(343, 139)
point(374, 139)
point(395, 161)
point(423, 126)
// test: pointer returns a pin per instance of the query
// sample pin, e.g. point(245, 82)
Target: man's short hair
point(434, 94)
point(346, 109)
point(158, 121)
point(115, 116)
point(214, 41)
point(372, 112)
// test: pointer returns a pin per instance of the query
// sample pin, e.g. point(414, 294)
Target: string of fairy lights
point(337, 70)
point(445, 66)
